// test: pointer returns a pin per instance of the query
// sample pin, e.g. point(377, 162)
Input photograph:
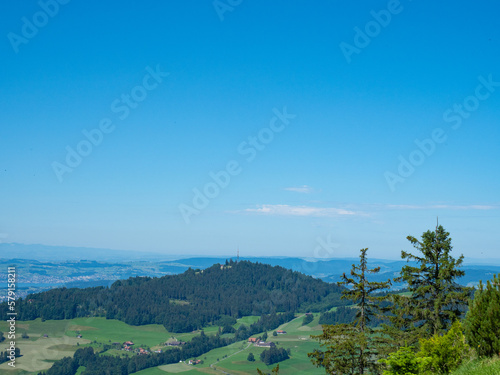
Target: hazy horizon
point(97, 255)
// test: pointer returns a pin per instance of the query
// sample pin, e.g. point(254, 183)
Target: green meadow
point(52, 340)
point(233, 358)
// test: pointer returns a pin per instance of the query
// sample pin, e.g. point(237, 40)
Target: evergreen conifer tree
point(436, 300)
point(351, 348)
point(482, 322)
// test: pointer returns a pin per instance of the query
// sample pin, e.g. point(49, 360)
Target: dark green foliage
point(307, 319)
point(436, 300)
point(188, 301)
point(343, 315)
point(2, 337)
point(273, 355)
point(250, 357)
point(482, 322)
point(228, 329)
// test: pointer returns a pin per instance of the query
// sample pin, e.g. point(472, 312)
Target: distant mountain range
point(44, 267)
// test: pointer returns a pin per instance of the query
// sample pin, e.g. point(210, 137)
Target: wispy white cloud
point(286, 210)
point(301, 189)
point(442, 207)
point(363, 210)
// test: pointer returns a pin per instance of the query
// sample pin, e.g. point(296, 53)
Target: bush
point(250, 357)
point(482, 328)
point(442, 354)
point(402, 362)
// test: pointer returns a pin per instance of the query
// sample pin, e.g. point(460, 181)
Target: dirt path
point(229, 356)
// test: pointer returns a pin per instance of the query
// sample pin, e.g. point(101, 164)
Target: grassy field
point(52, 340)
point(106, 331)
point(480, 367)
point(164, 370)
point(39, 352)
point(233, 358)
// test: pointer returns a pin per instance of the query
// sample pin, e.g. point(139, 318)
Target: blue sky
point(311, 110)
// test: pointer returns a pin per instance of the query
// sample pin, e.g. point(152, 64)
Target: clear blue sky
point(338, 168)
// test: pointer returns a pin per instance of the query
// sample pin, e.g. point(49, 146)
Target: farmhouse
point(263, 344)
point(194, 361)
point(128, 343)
point(253, 339)
point(280, 332)
point(174, 343)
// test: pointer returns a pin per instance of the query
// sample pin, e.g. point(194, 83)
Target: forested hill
point(189, 300)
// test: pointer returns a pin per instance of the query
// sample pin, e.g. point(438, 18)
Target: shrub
point(402, 362)
point(442, 354)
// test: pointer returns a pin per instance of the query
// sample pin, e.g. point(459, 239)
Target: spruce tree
point(361, 291)
point(351, 348)
point(482, 322)
point(436, 300)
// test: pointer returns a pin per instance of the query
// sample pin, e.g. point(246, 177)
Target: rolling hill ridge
point(190, 300)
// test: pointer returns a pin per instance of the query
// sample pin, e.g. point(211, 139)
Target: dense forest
point(191, 300)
